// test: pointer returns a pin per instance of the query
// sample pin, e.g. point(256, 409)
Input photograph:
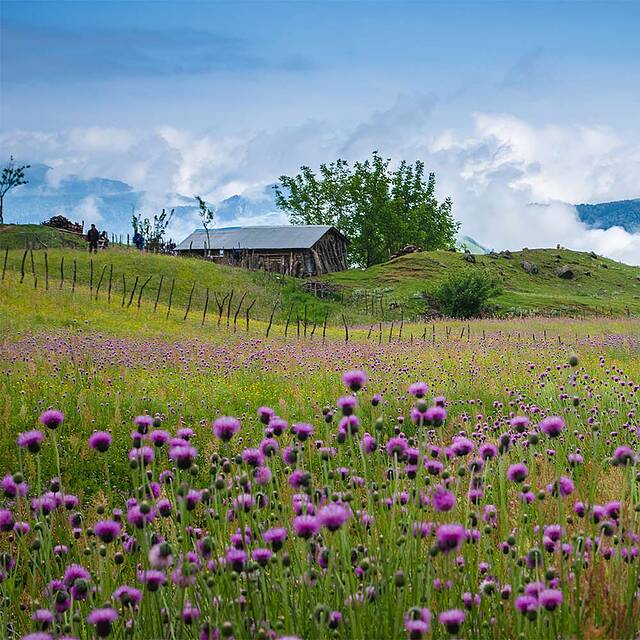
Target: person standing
point(93, 235)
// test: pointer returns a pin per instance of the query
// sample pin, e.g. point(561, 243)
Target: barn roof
point(276, 237)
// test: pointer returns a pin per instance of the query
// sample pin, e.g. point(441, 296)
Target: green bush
point(465, 293)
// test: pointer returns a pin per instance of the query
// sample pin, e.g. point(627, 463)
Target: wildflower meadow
point(482, 487)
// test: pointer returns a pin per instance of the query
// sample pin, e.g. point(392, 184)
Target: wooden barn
point(296, 250)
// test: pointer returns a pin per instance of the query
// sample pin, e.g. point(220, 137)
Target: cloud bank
point(510, 180)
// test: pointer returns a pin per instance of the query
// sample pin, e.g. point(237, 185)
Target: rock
point(587, 273)
point(604, 266)
point(469, 257)
point(493, 254)
point(506, 254)
point(593, 254)
point(530, 267)
point(565, 273)
point(410, 248)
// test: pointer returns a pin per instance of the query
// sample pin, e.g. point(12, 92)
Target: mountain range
point(109, 204)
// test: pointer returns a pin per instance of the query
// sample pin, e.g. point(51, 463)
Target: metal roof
point(291, 236)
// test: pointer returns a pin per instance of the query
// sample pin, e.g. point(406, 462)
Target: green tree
point(11, 177)
point(465, 293)
point(378, 208)
point(152, 231)
point(207, 216)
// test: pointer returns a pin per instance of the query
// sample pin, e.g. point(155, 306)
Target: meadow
point(191, 483)
point(166, 474)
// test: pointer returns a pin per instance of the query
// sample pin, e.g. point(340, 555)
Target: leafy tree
point(207, 216)
point(152, 231)
point(12, 176)
point(379, 209)
point(465, 293)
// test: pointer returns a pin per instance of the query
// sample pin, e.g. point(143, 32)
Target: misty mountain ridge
point(109, 204)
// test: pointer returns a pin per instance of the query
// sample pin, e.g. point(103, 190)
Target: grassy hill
point(20, 236)
point(400, 287)
point(600, 285)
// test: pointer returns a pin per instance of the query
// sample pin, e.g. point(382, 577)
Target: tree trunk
point(1, 208)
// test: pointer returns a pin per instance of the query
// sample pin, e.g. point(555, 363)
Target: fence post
point(104, 268)
point(173, 282)
point(235, 317)
point(6, 257)
point(24, 258)
point(305, 321)
point(247, 312)
point(135, 285)
point(206, 305)
point(146, 282)
point(110, 281)
point(229, 308)
point(46, 271)
point(90, 276)
point(155, 305)
point(346, 329)
point(186, 313)
point(124, 289)
point(324, 326)
point(286, 327)
point(75, 274)
point(275, 306)
point(61, 271)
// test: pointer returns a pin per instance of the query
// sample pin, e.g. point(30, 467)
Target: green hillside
point(600, 285)
point(20, 236)
point(398, 288)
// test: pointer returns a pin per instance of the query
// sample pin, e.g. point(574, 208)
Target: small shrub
point(465, 293)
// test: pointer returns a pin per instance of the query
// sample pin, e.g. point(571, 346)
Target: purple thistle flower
point(449, 537)
point(253, 457)
point(550, 599)
point(6, 520)
point(397, 447)
point(354, 379)
point(51, 418)
point(435, 415)
point(152, 578)
point(107, 530)
point(305, 526)
point(262, 556)
point(30, 440)
point(12, 489)
point(517, 472)
point(143, 455)
point(333, 516)
point(75, 572)
point(452, 620)
point(236, 559)
point(225, 428)
point(275, 537)
point(144, 423)
point(347, 404)
point(442, 499)
point(419, 389)
point(265, 414)
point(552, 426)
point(302, 430)
point(369, 443)
point(183, 455)
point(128, 596)
point(520, 423)
point(623, 456)
point(159, 437)
point(100, 441)
point(102, 619)
point(190, 614)
point(44, 617)
point(526, 604)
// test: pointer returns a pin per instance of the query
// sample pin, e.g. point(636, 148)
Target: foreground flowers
point(350, 522)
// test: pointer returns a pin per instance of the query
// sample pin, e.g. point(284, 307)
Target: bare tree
point(206, 215)
point(12, 176)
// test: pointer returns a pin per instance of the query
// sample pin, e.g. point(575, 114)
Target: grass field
point(499, 498)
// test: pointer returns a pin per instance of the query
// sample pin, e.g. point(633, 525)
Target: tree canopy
point(378, 208)
point(11, 177)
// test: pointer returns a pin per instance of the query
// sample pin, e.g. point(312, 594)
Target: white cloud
point(509, 179)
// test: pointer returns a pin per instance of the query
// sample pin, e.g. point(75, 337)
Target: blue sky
point(510, 102)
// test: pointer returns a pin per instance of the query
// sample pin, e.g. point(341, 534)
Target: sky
point(521, 108)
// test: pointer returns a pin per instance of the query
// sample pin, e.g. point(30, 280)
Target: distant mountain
point(621, 213)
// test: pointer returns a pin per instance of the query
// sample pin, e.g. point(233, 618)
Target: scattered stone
point(604, 266)
point(469, 257)
point(410, 248)
point(565, 273)
point(587, 273)
point(506, 254)
point(530, 267)
point(493, 254)
point(593, 254)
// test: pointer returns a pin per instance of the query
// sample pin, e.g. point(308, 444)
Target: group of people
point(97, 239)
